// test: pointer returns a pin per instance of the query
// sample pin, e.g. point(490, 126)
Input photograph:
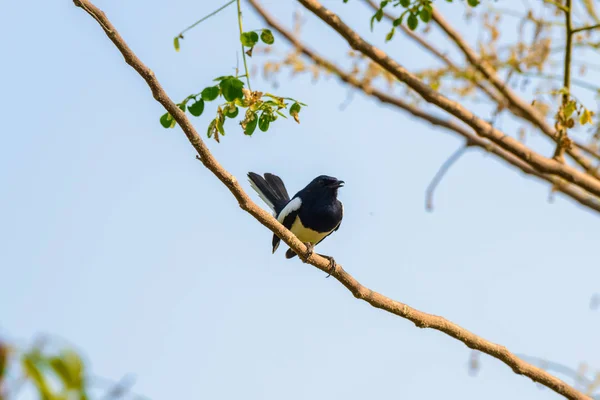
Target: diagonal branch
point(471, 139)
point(482, 127)
point(515, 101)
point(377, 300)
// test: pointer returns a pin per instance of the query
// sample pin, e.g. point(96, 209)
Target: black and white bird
point(312, 214)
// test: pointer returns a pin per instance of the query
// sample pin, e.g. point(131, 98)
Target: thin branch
point(377, 300)
point(528, 111)
point(440, 175)
point(558, 367)
point(557, 5)
point(562, 142)
point(239, 8)
point(482, 127)
point(580, 196)
point(205, 18)
point(585, 28)
point(587, 148)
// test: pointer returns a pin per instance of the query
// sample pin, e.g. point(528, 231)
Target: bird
point(312, 214)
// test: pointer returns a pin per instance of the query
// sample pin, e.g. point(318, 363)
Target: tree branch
point(482, 127)
point(562, 131)
point(496, 97)
point(586, 28)
point(440, 175)
point(377, 300)
point(528, 111)
point(580, 196)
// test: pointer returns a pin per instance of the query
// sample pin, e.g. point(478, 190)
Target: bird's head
point(326, 183)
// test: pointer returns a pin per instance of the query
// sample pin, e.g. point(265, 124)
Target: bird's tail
point(271, 189)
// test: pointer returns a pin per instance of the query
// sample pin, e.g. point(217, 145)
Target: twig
point(580, 196)
point(558, 5)
point(440, 175)
point(585, 28)
point(239, 8)
point(205, 18)
point(563, 142)
point(558, 367)
point(377, 300)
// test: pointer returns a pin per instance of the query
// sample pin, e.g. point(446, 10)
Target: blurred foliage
point(51, 372)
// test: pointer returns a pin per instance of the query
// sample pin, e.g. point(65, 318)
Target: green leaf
point(211, 128)
point(232, 113)
point(220, 78)
point(378, 16)
point(251, 126)
point(176, 43)
point(232, 89)
point(220, 123)
point(197, 108)
point(31, 369)
point(249, 39)
point(181, 106)
point(267, 36)
point(405, 3)
point(390, 35)
point(264, 122)
point(69, 368)
point(473, 3)
point(425, 14)
point(210, 93)
point(167, 121)
point(294, 110)
point(412, 21)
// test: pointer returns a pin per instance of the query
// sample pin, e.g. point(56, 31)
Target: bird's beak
point(339, 184)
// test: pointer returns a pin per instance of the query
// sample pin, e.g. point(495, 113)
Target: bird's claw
point(309, 250)
point(332, 265)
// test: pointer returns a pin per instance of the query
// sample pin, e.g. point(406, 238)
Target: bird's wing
point(286, 217)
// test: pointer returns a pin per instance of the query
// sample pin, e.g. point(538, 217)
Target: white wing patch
point(291, 206)
point(261, 195)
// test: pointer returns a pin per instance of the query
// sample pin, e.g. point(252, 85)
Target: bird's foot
point(332, 264)
point(309, 250)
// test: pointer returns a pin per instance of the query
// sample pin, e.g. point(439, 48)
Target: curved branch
point(440, 175)
point(580, 196)
point(482, 127)
point(377, 300)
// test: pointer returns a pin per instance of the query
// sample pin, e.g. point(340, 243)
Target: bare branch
point(586, 28)
point(582, 197)
point(377, 300)
point(440, 175)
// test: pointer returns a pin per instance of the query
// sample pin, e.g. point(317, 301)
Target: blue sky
point(114, 237)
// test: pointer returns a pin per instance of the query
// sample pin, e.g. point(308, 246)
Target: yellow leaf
point(585, 117)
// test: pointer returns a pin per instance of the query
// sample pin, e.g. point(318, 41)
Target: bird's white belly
point(306, 234)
